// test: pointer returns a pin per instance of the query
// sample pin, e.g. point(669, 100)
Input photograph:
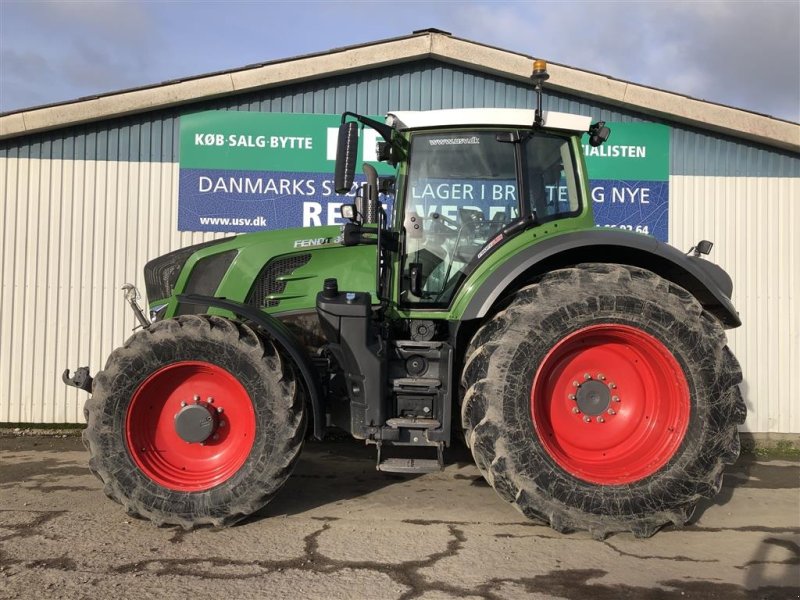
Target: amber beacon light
point(540, 70)
point(539, 76)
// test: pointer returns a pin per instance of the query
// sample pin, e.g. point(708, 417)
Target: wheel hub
point(195, 423)
point(593, 398)
point(184, 441)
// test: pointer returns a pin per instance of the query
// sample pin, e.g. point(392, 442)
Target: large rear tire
point(195, 420)
point(603, 398)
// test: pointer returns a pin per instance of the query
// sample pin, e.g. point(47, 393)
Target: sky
point(740, 53)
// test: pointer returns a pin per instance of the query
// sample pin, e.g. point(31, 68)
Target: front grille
point(267, 284)
point(161, 274)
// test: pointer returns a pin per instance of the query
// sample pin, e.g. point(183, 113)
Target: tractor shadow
point(341, 469)
point(736, 475)
point(751, 472)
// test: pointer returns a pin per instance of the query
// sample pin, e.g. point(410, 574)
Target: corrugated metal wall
point(753, 222)
point(85, 208)
point(73, 232)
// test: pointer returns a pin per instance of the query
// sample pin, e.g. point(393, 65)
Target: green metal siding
point(419, 85)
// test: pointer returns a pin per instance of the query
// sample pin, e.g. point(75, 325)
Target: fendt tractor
point(586, 368)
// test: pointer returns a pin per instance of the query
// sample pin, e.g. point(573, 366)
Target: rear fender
point(707, 282)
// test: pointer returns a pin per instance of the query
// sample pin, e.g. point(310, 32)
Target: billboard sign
point(248, 171)
point(629, 178)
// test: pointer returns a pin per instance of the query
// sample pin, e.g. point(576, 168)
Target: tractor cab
point(468, 181)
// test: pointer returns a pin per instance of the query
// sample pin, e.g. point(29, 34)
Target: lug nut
point(576, 383)
point(601, 420)
point(615, 398)
point(601, 377)
point(210, 400)
point(219, 409)
point(216, 436)
point(576, 410)
point(222, 423)
point(611, 411)
point(586, 376)
point(613, 386)
point(183, 403)
point(571, 396)
point(587, 419)
point(196, 399)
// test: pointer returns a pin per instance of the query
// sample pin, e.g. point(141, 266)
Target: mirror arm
point(382, 128)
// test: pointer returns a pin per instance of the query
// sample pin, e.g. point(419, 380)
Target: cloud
point(741, 53)
point(746, 54)
point(68, 50)
point(16, 85)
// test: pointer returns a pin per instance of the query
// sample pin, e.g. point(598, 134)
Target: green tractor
point(586, 368)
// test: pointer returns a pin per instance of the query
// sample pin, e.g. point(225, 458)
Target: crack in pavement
point(405, 573)
point(572, 584)
point(678, 558)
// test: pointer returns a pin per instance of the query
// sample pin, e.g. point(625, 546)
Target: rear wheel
point(603, 398)
point(196, 420)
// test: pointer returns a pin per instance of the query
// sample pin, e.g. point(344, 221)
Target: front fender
point(284, 337)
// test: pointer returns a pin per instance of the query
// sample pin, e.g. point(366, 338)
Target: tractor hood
point(276, 271)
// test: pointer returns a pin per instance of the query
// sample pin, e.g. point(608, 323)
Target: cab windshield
point(463, 188)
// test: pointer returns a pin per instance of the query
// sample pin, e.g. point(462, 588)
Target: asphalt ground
point(340, 529)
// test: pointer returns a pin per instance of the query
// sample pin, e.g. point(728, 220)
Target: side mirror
point(702, 247)
point(598, 133)
point(346, 156)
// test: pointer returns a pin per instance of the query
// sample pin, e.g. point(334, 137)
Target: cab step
point(413, 423)
point(411, 465)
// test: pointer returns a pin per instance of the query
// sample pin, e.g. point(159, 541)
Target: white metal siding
point(754, 224)
point(73, 231)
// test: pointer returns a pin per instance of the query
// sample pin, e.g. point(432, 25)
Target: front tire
point(195, 420)
point(604, 399)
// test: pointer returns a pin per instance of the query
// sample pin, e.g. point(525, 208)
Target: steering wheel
point(471, 220)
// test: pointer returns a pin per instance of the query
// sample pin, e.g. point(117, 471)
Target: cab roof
point(405, 120)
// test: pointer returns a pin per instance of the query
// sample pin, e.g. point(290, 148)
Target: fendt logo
point(312, 242)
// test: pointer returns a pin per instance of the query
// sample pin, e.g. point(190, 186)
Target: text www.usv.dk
point(240, 222)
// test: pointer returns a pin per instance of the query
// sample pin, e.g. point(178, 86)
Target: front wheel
point(603, 398)
point(195, 420)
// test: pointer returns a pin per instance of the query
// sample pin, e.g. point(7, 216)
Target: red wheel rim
point(150, 426)
point(610, 404)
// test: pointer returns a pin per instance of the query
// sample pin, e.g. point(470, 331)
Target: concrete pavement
point(340, 529)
